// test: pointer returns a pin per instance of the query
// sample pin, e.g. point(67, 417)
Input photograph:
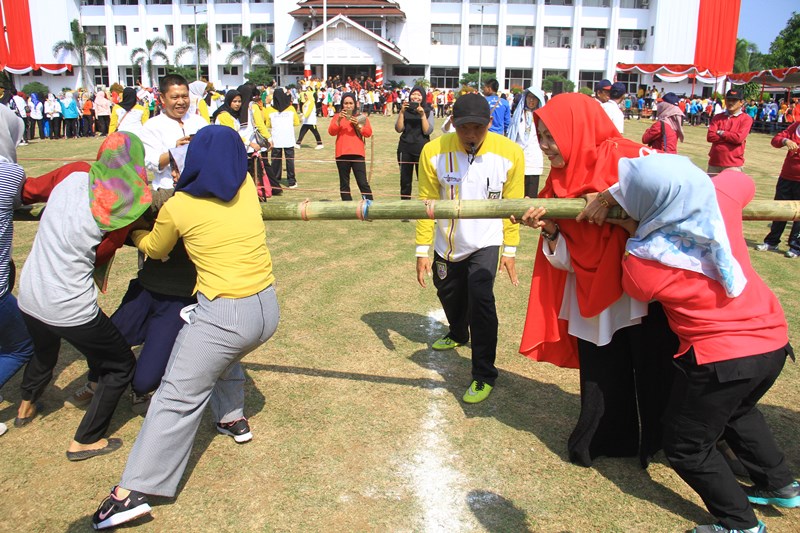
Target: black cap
point(471, 108)
point(734, 94)
point(671, 98)
point(603, 84)
point(618, 89)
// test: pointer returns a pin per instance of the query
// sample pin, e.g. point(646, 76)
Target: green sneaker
point(477, 392)
point(446, 343)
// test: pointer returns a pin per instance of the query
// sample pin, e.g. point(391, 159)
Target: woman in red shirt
point(688, 253)
point(350, 130)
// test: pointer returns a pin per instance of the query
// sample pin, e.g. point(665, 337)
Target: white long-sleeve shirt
point(159, 134)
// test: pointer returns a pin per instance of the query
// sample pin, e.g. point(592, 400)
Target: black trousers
point(625, 385)
point(309, 127)
point(718, 400)
point(531, 186)
point(107, 353)
point(103, 122)
point(288, 153)
point(785, 190)
point(55, 127)
point(466, 290)
point(344, 163)
point(70, 127)
point(408, 164)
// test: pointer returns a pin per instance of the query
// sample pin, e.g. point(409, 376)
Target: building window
point(169, 34)
point(593, 38)
point(519, 77)
point(408, 70)
point(128, 75)
point(445, 34)
point(161, 72)
point(227, 1)
point(120, 35)
point(529, 2)
point(558, 2)
point(631, 82)
point(519, 36)
point(557, 37)
point(489, 34)
point(445, 77)
point(194, 2)
point(125, 2)
point(159, 2)
point(101, 76)
point(588, 78)
point(596, 3)
point(92, 3)
point(631, 39)
point(229, 32)
point(269, 33)
point(554, 72)
point(230, 70)
point(261, 2)
point(95, 34)
point(375, 26)
point(634, 4)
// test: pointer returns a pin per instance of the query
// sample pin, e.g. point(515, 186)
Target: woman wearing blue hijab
point(217, 213)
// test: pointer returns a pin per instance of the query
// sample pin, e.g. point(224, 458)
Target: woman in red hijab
point(578, 315)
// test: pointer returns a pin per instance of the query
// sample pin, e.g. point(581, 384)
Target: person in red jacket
point(350, 130)
point(687, 252)
point(727, 134)
point(663, 135)
point(787, 188)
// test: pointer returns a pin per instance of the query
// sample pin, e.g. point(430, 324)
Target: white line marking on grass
point(437, 483)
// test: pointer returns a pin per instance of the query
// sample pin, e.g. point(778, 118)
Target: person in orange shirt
point(87, 120)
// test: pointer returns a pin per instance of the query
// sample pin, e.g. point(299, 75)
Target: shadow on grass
point(496, 513)
point(412, 326)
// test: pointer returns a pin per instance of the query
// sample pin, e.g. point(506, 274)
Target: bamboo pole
point(453, 209)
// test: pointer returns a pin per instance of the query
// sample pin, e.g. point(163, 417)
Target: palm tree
point(179, 52)
point(250, 48)
point(747, 58)
point(202, 40)
point(153, 48)
point(82, 45)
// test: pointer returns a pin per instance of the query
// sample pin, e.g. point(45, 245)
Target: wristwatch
point(551, 236)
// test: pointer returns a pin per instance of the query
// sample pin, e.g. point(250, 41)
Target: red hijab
point(591, 146)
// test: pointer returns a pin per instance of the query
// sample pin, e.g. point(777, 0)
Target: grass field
point(359, 425)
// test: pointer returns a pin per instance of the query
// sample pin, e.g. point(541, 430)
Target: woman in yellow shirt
point(128, 115)
point(216, 211)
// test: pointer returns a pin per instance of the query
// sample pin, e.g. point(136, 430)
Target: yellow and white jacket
point(445, 173)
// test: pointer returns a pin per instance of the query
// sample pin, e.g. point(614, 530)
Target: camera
point(412, 106)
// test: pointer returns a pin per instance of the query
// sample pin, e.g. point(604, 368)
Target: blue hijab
point(216, 164)
point(680, 223)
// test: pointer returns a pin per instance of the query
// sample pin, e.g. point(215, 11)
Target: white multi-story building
point(522, 41)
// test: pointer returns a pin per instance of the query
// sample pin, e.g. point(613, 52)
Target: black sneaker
point(113, 512)
point(239, 430)
point(788, 496)
point(719, 528)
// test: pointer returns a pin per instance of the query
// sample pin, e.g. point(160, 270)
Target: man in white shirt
point(611, 106)
point(174, 127)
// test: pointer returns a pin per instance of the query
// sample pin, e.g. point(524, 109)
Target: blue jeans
point(16, 346)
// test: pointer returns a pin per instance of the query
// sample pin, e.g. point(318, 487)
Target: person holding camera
point(351, 129)
point(415, 125)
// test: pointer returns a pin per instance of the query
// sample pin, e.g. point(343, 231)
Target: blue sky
point(760, 21)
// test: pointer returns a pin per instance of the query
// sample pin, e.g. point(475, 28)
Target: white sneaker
point(297, 146)
point(293, 186)
point(3, 428)
point(319, 147)
point(764, 247)
point(791, 255)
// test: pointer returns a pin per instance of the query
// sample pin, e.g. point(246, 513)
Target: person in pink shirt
point(688, 253)
point(727, 133)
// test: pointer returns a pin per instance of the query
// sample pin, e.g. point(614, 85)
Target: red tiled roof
point(349, 8)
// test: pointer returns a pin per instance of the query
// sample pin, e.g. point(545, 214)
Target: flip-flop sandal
point(112, 446)
point(22, 422)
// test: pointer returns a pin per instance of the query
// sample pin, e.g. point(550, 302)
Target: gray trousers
point(205, 358)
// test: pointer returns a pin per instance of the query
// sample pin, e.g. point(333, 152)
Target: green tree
point(260, 75)
point(549, 83)
point(203, 43)
point(422, 82)
point(153, 49)
point(785, 49)
point(470, 79)
point(35, 87)
point(249, 49)
point(82, 47)
point(747, 58)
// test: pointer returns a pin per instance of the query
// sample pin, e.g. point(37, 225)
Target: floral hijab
point(118, 190)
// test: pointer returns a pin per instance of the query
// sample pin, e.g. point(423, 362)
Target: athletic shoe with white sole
point(113, 512)
point(477, 392)
point(764, 247)
point(239, 430)
point(319, 147)
point(788, 496)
